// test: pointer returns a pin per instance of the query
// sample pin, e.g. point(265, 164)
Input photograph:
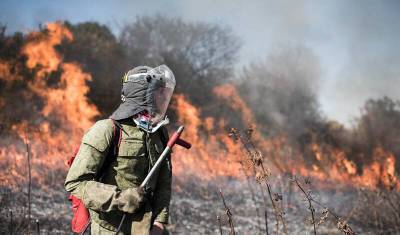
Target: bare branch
point(228, 213)
point(219, 224)
point(29, 179)
point(309, 199)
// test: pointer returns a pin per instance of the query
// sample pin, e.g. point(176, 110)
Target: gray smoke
point(370, 33)
point(282, 90)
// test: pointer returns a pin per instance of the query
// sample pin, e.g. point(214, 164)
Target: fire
point(40, 50)
point(335, 166)
point(208, 161)
point(66, 112)
point(381, 171)
point(229, 94)
point(6, 73)
point(212, 155)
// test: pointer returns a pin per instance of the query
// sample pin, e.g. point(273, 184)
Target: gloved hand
point(130, 200)
point(158, 229)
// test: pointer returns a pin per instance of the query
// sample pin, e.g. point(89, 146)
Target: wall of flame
point(67, 113)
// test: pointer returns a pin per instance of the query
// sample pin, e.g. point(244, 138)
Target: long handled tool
point(174, 139)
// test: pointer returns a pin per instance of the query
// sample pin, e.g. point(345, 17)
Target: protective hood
point(146, 92)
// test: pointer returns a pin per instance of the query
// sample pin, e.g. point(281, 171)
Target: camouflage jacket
point(137, 153)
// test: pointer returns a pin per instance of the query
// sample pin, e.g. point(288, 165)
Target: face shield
point(161, 87)
point(153, 93)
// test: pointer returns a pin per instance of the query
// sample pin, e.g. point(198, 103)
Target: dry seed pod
point(324, 216)
point(278, 197)
point(344, 227)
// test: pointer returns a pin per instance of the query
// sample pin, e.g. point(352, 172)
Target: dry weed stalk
point(219, 224)
point(229, 214)
point(28, 153)
point(253, 197)
point(324, 216)
point(379, 209)
point(266, 221)
point(344, 227)
point(392, 197)
point(342, 224)
point(37, 227)
point(11, 222)
point(262, 173)
point(309, 199)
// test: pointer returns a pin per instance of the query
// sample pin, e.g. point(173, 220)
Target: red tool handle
point(174, 139)
point(183, 143)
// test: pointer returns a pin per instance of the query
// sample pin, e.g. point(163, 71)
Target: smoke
point(356, 42)
point(338, 62)
point(370, 34)
point(282, 90)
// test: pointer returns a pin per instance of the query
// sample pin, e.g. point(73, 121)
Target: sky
point(356, 41)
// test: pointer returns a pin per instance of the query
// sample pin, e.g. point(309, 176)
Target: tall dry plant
point(28, 154)
point(342, 224)
point(262, 174)
point(228, 213)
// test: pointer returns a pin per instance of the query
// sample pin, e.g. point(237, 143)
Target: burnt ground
point(195, 209)
point(195, 206)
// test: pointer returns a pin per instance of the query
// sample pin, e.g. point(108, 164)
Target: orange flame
point(40, 50)
point(67, 111)
point(6, 73)
point(212, 155)
point(216, 155)
point(229, 94)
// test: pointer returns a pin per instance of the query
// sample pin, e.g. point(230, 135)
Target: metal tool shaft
point(156, 166)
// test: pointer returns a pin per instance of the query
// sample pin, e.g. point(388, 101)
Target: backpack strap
point(116, 137)
point(113, 149)
point(163, 133)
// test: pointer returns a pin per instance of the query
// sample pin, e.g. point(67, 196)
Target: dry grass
point(377, 210)
point(262, 175)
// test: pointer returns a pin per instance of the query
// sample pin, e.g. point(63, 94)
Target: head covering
point(145, 89)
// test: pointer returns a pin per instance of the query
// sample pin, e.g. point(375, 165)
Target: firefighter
point(146, 93)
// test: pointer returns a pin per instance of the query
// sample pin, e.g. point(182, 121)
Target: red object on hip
point(81, 218)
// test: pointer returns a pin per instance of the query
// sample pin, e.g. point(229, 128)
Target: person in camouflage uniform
point(118, 191)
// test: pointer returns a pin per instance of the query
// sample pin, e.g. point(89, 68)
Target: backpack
point(81, 217)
